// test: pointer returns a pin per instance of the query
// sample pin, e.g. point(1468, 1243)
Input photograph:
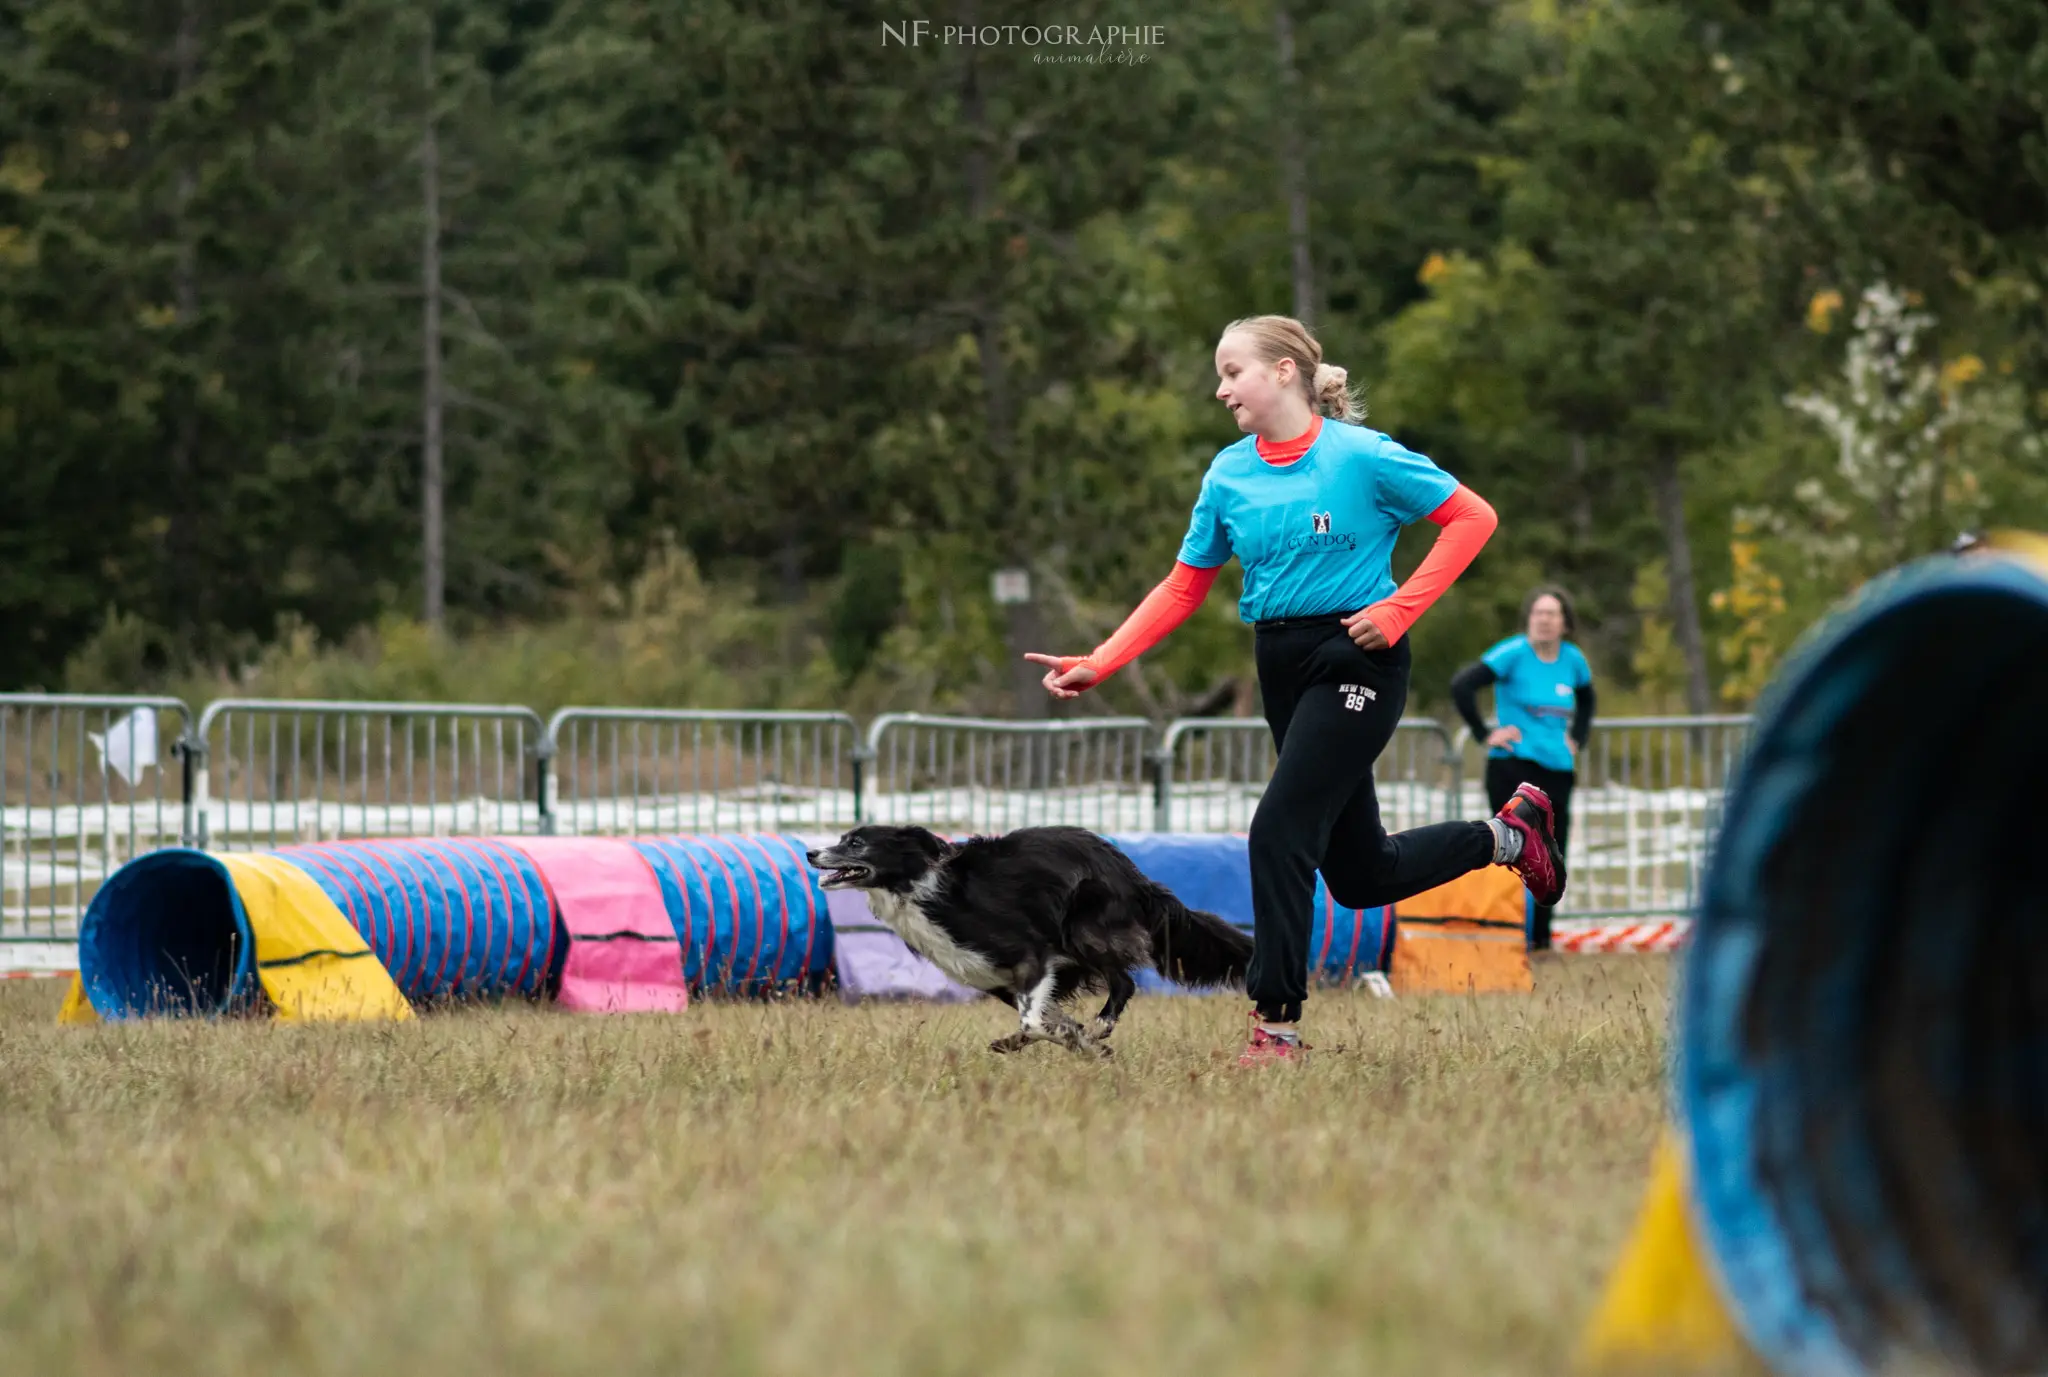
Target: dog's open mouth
point(842, 876)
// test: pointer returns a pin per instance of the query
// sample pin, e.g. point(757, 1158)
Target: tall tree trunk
point(1293, 123)
point(1685, 606)
point(434, 551)
point(1582, 494)
point(1024, 624)
point(182, 531)
point(789, 573)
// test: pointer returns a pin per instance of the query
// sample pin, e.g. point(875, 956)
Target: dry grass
point(803, 1188)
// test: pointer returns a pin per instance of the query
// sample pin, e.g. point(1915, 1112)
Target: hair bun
point(1330, 387)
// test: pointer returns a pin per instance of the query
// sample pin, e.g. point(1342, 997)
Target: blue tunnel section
point(747, 909)
point(450, 918)
point(1213, 873)
point(1862, 1039)
point(166, 935)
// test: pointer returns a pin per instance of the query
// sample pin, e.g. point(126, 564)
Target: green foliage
point(123, 652)
point(670, 638)
point(1658, 666)
point(869, 600)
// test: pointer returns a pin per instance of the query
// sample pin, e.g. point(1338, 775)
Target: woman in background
point(1543, 696)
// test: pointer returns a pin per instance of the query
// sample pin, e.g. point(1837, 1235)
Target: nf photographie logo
point(1120, 44)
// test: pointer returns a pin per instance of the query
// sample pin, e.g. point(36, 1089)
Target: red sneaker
point(1266, 1049)
point(1541, 864)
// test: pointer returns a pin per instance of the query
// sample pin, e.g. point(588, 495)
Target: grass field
point(807, 1188)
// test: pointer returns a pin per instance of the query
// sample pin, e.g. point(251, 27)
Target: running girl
point(1311, 512)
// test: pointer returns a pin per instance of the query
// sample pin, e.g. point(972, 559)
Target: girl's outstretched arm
point(1164, 608)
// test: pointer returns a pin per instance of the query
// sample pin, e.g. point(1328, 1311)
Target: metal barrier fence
point(974, 774)
point(82, 789)
point(1212, 770)
point(1645, 809)
point(270, 772)
point(628, 770)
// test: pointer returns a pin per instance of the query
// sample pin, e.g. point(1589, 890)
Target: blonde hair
point(1327, 387)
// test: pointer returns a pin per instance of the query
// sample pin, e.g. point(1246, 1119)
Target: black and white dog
point(1033, 917)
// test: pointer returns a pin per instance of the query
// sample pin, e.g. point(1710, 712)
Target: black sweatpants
point(1503, 773)
point(1333, 709)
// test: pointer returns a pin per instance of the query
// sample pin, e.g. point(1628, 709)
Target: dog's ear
point(930, 844)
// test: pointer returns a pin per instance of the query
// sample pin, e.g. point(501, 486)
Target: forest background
point(718, 354)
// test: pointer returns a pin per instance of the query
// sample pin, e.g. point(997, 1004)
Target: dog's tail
point(1191, 947)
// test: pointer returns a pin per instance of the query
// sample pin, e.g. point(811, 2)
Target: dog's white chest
point(902, 915)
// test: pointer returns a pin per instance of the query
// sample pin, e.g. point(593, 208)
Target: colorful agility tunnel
point(594, 923)
point(1858, 1180)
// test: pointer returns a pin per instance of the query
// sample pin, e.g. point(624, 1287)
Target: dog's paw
point(1101, 1028)
point(1103, 1051)
point(1015, 1042)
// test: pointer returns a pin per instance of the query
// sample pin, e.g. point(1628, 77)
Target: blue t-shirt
point(1317, 535)
point(1537, 697)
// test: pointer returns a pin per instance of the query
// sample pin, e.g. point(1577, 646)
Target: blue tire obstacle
point(1860, 1159)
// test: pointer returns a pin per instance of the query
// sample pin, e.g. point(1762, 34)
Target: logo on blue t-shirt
point(1321, 539)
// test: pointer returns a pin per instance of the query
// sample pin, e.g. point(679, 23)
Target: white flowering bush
point(1907, 431)
point(1910, 438)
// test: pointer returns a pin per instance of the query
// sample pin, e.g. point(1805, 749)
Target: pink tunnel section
point(623, 954)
